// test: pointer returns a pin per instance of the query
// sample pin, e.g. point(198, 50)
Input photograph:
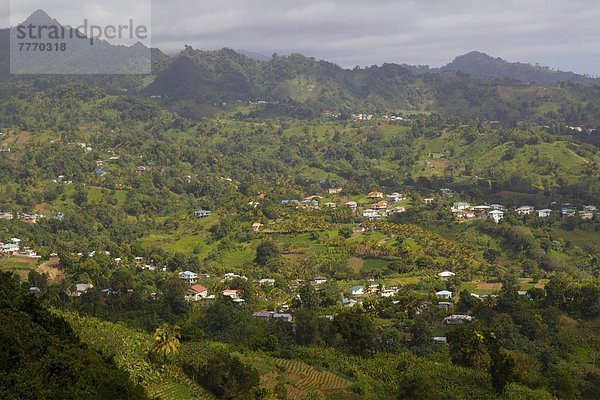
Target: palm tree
point(166, 340)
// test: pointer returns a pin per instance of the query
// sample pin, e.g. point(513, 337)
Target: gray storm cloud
point(556, 33)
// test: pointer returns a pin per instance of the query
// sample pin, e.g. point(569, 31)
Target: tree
point(265, 252)
point(309, 296)
point(345, 232)
point(226, 376)
point(166, 341)
point(467, 345)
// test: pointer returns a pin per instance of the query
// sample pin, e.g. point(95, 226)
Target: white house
point(496, 215)
point(319, 280)
point(444, 294)
point(189, 277)
point(394, 197)
point(525, 210)
point(395, 210)
point(446, 274)
point(80, 289)
point(460, 206)
point(544, 213)
point(266, 282)
point(352, 205)
point(357, 290)
point(196, 293)
point(371, 214)
point(202, 214)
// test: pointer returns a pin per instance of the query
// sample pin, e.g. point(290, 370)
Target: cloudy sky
point(560, 34)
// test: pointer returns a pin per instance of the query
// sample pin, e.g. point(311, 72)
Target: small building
point(395, 210)
point(546, 212)
point(141, 168)
point(201, 214)
point(445, 305)
point(567, 211)
point(375, 195)
point(460, 206)
point(357, 290)
point(256, 227)
point(389, 292)
point(428, 200)
point(586, 214)
point(189, 277)
point(440, 340)
point(447, 192)
point(590, 208)
point(319, 280)
point(371, 214)
point(352, 205)
point(10, 248)
point(525, 210)
point(496, 215)
point(458, 319)
point(334, 190)
point(231, 293)
point(445, 275)
point(266, 282)
point(395, 197)
point(196, 293)
point(498, 207)
point(380, 205)
point(79, 289)
point(444, 294)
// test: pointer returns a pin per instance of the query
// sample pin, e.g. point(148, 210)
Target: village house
point(395, 197)
point(544, 213)
point(330, 205)
point(458, 319)
point(444, 294)
point(272, 316)
point(375, 195)
point(395, 210)
point(334, 190)
point(357, 290)
point(568, 211)
point(380, 205)
point(352, 205)
point(201, 214)
point(498, 207)
point(389, 292)
point(256, 227)
point(189, 277)
point(496, 215)
point(525, 210)
point(319, 280)
point(196, 293)
point(266, 282)
point(586, 214)
point(371, 214)
point(447, 192)
point(460, 206)
point(141, 168)
point(445, 275)
point(10, 249)
point(231, 293)
point(79, 289)
point(589, 208)
point(6, 215)
point(428, 200)
point(440, 340)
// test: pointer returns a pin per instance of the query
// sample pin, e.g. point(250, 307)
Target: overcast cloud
point(560, 34)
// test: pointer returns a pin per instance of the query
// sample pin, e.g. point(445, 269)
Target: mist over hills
point(474, 84)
